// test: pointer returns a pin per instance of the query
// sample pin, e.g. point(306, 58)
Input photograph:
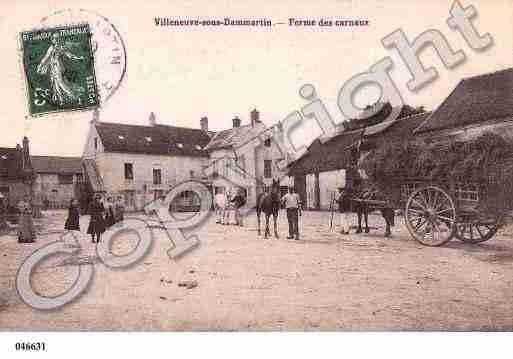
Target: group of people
point(103, 215)
point(226, 203)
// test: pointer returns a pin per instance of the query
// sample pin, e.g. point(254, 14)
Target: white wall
point(328, 183)
point(173, 169)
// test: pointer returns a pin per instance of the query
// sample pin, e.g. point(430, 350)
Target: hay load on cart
point(448, 188)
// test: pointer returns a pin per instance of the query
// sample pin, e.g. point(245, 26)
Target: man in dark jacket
point(344, 207)
point(238, 201)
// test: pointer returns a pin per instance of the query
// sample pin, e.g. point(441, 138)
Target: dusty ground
point(325, 281)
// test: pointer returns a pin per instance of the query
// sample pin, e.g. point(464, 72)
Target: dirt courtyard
point(325, 281)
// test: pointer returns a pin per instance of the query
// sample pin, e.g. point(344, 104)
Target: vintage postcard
point(255, 166)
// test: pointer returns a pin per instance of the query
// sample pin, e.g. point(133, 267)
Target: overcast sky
point(184, 73)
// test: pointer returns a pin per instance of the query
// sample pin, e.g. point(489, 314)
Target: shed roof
point(56, 164)
point(474, 100)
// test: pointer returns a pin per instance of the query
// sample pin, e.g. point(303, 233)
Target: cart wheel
point(430, 216)
point(476, 232)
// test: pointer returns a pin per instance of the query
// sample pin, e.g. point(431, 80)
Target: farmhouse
point(236, 147)
point(142, 163)
point(57, 180)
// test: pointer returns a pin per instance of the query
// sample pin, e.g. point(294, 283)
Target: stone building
point(244, 156)
point(57, 180)
point(142, 163)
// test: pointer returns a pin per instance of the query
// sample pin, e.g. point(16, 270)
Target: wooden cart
point(435, 212)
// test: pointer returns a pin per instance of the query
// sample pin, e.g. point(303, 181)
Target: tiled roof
point(330, 155)
point(401, 129)
point(53, 164)
point(10, 162)
point(234, 136)
point(474, 100)
point(155, 140)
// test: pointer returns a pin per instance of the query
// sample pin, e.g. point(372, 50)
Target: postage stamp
point(59, 69)
point(110, 57)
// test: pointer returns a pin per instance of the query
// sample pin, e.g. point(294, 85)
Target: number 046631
point(39, 346)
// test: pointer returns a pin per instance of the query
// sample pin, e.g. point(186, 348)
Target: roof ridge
point(419, 127)
point(487, 74)
point(147, 126)
point(51, 156)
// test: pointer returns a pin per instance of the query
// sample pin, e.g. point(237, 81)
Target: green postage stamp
point(59, 69)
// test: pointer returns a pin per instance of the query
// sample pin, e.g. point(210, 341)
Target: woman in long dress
point(73, 220)
point(97, 223)
point(110, 217)
point(63, 91)
point(26, 230)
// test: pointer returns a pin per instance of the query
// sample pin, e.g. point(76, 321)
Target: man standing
point(344, 207)
point(293, 207)
point(238, 201)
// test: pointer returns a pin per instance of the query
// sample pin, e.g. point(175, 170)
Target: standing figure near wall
point(119, 209)
point(26, 230)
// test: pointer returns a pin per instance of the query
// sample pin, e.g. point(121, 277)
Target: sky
point(184, 73)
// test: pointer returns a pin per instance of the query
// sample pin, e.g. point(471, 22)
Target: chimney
point(204, 123)
point(255, 117)
point(96, 116)
point(236, 122)
point(152, 119)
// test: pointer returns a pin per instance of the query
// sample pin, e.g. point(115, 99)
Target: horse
point(269, 203)
point(362, 209)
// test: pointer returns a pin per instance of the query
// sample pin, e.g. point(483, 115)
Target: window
point(65, 179)
point(267, 142)
point(96, 143)
point(268, 173)
point(129, 171)
point(157, 176)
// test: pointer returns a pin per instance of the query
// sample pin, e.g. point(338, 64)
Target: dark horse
point(269, 203)
point(363, 208)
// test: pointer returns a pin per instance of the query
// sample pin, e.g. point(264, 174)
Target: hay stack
point(486, 161)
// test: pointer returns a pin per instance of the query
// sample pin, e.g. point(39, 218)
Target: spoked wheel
point(430, 216)
point(474, 231)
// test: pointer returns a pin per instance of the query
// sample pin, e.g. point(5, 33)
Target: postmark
point(108, 47)
point(59, 69)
